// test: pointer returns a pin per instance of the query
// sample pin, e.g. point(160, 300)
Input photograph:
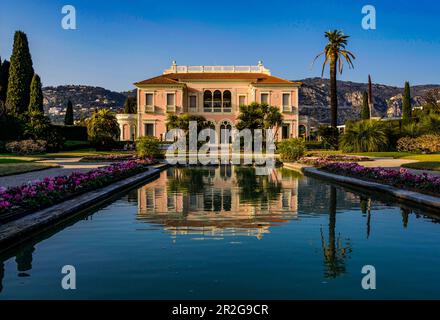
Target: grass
point(424, 165)
point(425, 161)
point(7, 169)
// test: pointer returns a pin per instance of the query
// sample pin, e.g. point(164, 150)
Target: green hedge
point(77, 133)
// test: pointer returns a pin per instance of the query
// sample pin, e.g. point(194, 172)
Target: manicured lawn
point(424, 165)
point(7, 169)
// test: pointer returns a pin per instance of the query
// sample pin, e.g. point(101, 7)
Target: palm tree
point(103, 128)
point(364, 136)
point(335, 53)
point(273, 119)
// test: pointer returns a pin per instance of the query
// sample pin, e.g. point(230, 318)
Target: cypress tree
point(36, 95)
point(68, 119)
point(130, 105)
point(365, 111)
point(4, 75)
point(406, 103)
point(20, 75)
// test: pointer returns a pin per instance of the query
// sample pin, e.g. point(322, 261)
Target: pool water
point(227, 233)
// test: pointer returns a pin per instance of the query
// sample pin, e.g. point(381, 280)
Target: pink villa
point(214, 92)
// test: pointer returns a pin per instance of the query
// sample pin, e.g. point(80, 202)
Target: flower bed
point(324, 159)
point(400, 178)
point(35, 195)
point(109, 158)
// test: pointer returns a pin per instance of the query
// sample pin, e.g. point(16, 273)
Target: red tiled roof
point(176, 78)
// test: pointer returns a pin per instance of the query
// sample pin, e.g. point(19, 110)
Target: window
point(217, 101)
point(286, 102)
point(149, 129)
point(149, 104)
point(170, 99)
point(149, 99)
point(207, 101)
point(265, 98)
point(193, 102)
point(227, 97)
point(285, 131)
point(241, 100)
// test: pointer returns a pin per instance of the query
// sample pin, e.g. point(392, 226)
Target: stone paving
point(66, 166)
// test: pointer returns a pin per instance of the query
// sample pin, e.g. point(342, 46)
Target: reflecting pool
point(226, 233)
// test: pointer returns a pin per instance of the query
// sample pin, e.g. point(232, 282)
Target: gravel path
point(67, 166)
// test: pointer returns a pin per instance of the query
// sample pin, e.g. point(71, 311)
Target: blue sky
point(119, 42)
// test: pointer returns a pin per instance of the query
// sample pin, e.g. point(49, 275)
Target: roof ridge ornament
point(259, 68)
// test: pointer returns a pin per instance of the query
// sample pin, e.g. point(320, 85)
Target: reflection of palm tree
point(24, 260)
point(365, 205)
point(334, 253)
point(405, 215)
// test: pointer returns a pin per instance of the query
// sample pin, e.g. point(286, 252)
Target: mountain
point(84, 99)
point(314, 99)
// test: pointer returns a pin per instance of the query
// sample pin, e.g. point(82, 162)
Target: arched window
point(227, 97)
point(225, 132)
point(217, 101)
point(207, 101)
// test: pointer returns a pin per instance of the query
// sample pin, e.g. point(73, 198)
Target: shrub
point(147, 147)
point(78, 133)
point(291, 149)
point(39, 127)
point(11, 127)
point(329, 137)
point(407, 144)
point(428, 143)
point(26, 147)
point(364, 136)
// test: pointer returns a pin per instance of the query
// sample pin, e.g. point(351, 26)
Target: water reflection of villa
point(219, 201)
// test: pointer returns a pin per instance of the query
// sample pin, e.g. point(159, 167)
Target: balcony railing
point(149, 109)
point(260, 68)
point(288, 108)
point(171, 108)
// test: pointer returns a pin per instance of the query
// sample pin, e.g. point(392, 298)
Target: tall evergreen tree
point(20, 75)
point(36, 95)
point(365, 111)
point(130, 105)
point(406, 103)
point(68, 119)
point(4, 75)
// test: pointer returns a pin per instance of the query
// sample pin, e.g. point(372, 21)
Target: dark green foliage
point(77, 133)
point(39, 127)
point(130, 105)
point(365, 111)
point(365, 136)
point(11, 128)
point(406, 104)
point(329, 137)
point(20, 76)
point(103, 129)
point(36, 95)
point(68, 119)
point(4, 75)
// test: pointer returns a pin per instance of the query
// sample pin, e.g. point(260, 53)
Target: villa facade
point(214, 92)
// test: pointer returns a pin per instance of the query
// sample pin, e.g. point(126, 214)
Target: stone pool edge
point(17, 231)
point(411, 196)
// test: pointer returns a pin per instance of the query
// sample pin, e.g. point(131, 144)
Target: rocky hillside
point(84, 98)
point(314, 99)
